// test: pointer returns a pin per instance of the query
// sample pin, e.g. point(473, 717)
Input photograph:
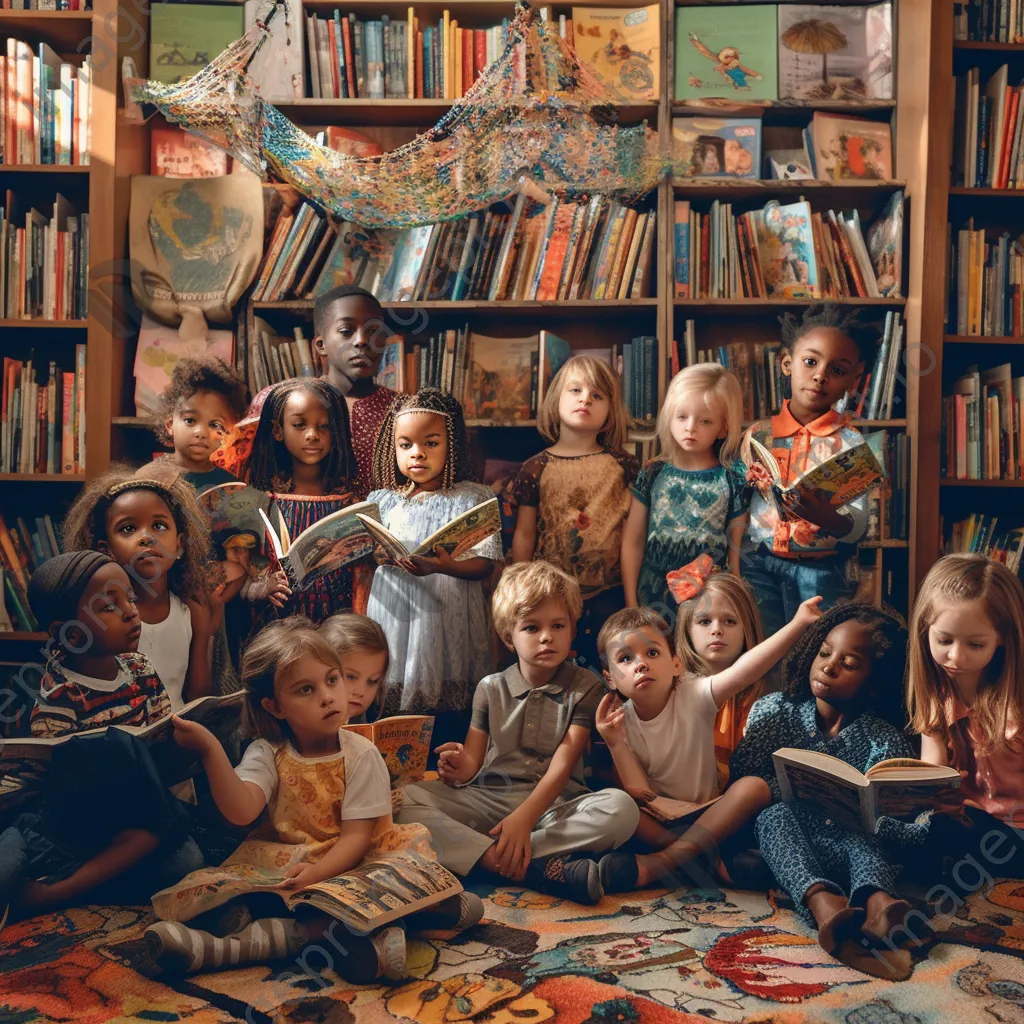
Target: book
point(789, 164)
point(851, 147)
point(403, 742)
point(457, 537)
point(185, 38)
point(785, 245)
point(705, 147)
point(835, 53)
point(899, 787)
point(329, 543)
point(498, 385)
point(175, 153)
point(234, 507)
point(622, 46)
point(669, 811)
point(726, 52)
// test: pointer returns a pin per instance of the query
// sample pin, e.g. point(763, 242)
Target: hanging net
point(537, 112)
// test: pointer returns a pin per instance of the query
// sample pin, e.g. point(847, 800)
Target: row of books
point(273, 358)
point(981, 424)
point(42, 423)
point(980, 534)
point(45, 5)
point(985, 283)
point(22, 551)
point(44, 260)
point(889, 501)
point(989, 21)
point(988, 148)
point(45, 106)
point(786, 251)
point(598, 249)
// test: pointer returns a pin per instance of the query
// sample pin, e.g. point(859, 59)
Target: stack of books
point(981, 423)
point(22, 551)
point(985, 280)
point(989, 21)
point(977, 534)
point(44, 106)
point(987, 148)
point(272, 359)
point(889, 501)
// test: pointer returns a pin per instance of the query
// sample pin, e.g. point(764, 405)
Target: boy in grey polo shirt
point(512, 797)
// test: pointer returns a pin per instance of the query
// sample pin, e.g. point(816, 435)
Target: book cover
point(851, 147)
point(726, 52)
point(622, 45)
point(498, 388)
point(785, 245)
point(351, 143)
point(234, 508)
point(174, 153)
point(706, 147)
point(835, 53)
point(457, 537)
point(403, 742)
point(185, 38)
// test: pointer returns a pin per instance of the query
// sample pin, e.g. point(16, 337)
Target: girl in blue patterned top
point(693, 500)
point(843, 696)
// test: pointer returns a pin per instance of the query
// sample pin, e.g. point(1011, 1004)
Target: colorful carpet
point(690, 955)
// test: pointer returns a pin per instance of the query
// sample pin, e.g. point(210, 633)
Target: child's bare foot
point(885, 914)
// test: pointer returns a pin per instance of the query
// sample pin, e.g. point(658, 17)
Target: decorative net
point(537, 112)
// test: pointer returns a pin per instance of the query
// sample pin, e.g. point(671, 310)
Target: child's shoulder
point(354, 745)
point(138, 664)
point(772, 705)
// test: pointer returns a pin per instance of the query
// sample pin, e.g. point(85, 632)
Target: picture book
point(789, 165)
point(329, 543)
point(622, 46)
point(457, 537)
point(885, 247)
point(184, 38)
point(835, 53)
point(839, 479)
point(390, 373)
point(501, 370)
point(705, 147)
point(726, 52)
point(404, 743)
point(900, 787)
point(851, 147)
point(361, 256)
point(234, 508)
point(175, 153)
point(785, 248)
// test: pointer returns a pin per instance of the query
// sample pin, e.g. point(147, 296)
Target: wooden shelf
point(568, 307)
point(44, 478)
point(988, 193)
point(980, 483)
point(779, 110)
point(731, 188)
point(139, 422)
point(63, 30)
point(21, 635)
point(45, 168)
point(738, 307)
point(973, 44)
point(980, 339)
point(77, 325)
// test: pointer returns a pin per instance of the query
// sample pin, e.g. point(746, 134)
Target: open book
point(840, 479)
point(900, 787)
point(329, 543)
point(234, 507)
point(668, 811)
point(404, 743)
point(23, 760)
point(464, 532)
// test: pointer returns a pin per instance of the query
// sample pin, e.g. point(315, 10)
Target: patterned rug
point(668, 958)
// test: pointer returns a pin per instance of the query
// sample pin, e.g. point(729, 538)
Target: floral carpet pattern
point(664, 958)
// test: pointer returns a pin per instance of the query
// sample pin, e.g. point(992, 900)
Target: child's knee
point(623, 815)
point(769, 820)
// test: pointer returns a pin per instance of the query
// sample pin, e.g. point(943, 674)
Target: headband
point(688, 582)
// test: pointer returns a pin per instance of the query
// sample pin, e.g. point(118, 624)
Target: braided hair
point(829, 316)
point(270, 465)
point(457, 465)
point(888, 648)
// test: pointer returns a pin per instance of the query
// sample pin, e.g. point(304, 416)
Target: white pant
point(459, 820)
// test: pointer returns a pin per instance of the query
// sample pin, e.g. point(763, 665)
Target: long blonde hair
point(596, 373)
point(999, 703)
point(719, 388)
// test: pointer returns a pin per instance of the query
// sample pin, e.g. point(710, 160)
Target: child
point(693, 499)
point(326, 793)
point(841, 698)
point(156, 530)
point(106, 825)
point(302, 456)
point(362, 649)
point(573, 498)
point(965, 694)
point(662, 738)
point(789, 560)
point(351, 337)
point(432, 609)
point(512, 797)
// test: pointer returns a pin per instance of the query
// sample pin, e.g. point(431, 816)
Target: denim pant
point(781, 584)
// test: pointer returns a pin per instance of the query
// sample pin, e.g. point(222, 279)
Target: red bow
point(689, 581)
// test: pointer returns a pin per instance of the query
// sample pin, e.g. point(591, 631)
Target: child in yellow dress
point(327, 796)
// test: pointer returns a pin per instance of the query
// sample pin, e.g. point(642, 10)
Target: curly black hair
point(324, 302)
point(830, 316)
point(189, 377)
point(458, 465)
point(888, 643)
point(270, 465)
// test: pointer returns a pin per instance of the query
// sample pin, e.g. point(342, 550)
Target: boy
point(512, 797)
point(788, 561)
point(350, 336)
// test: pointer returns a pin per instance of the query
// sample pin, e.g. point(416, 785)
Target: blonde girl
point(694, 498)
point(573, 498)
point(362, 649)
point(965, 697)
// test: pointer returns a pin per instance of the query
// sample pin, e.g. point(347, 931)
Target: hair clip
point(689, 581)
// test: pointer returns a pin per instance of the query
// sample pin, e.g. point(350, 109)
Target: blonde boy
point(512, 797)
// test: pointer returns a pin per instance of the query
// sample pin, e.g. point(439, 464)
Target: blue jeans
point(780, 585)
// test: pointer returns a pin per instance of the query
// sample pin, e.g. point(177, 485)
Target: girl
point(156, 529)
point(432, 609)
point(302, 456)
point(842, 698)
point(326, 793)
point(362, 649)
point(573, 497)
point(694, 498)
point(965, 695)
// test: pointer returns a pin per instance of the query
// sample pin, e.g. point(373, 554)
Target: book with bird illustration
point(403, 742)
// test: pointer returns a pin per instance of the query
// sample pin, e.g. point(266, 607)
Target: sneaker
point(577, 880)
point(618, 872)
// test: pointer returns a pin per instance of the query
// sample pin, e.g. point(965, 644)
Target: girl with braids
point(808, 552)
point(843, 695)
point(302, 456)
point(433, 610)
